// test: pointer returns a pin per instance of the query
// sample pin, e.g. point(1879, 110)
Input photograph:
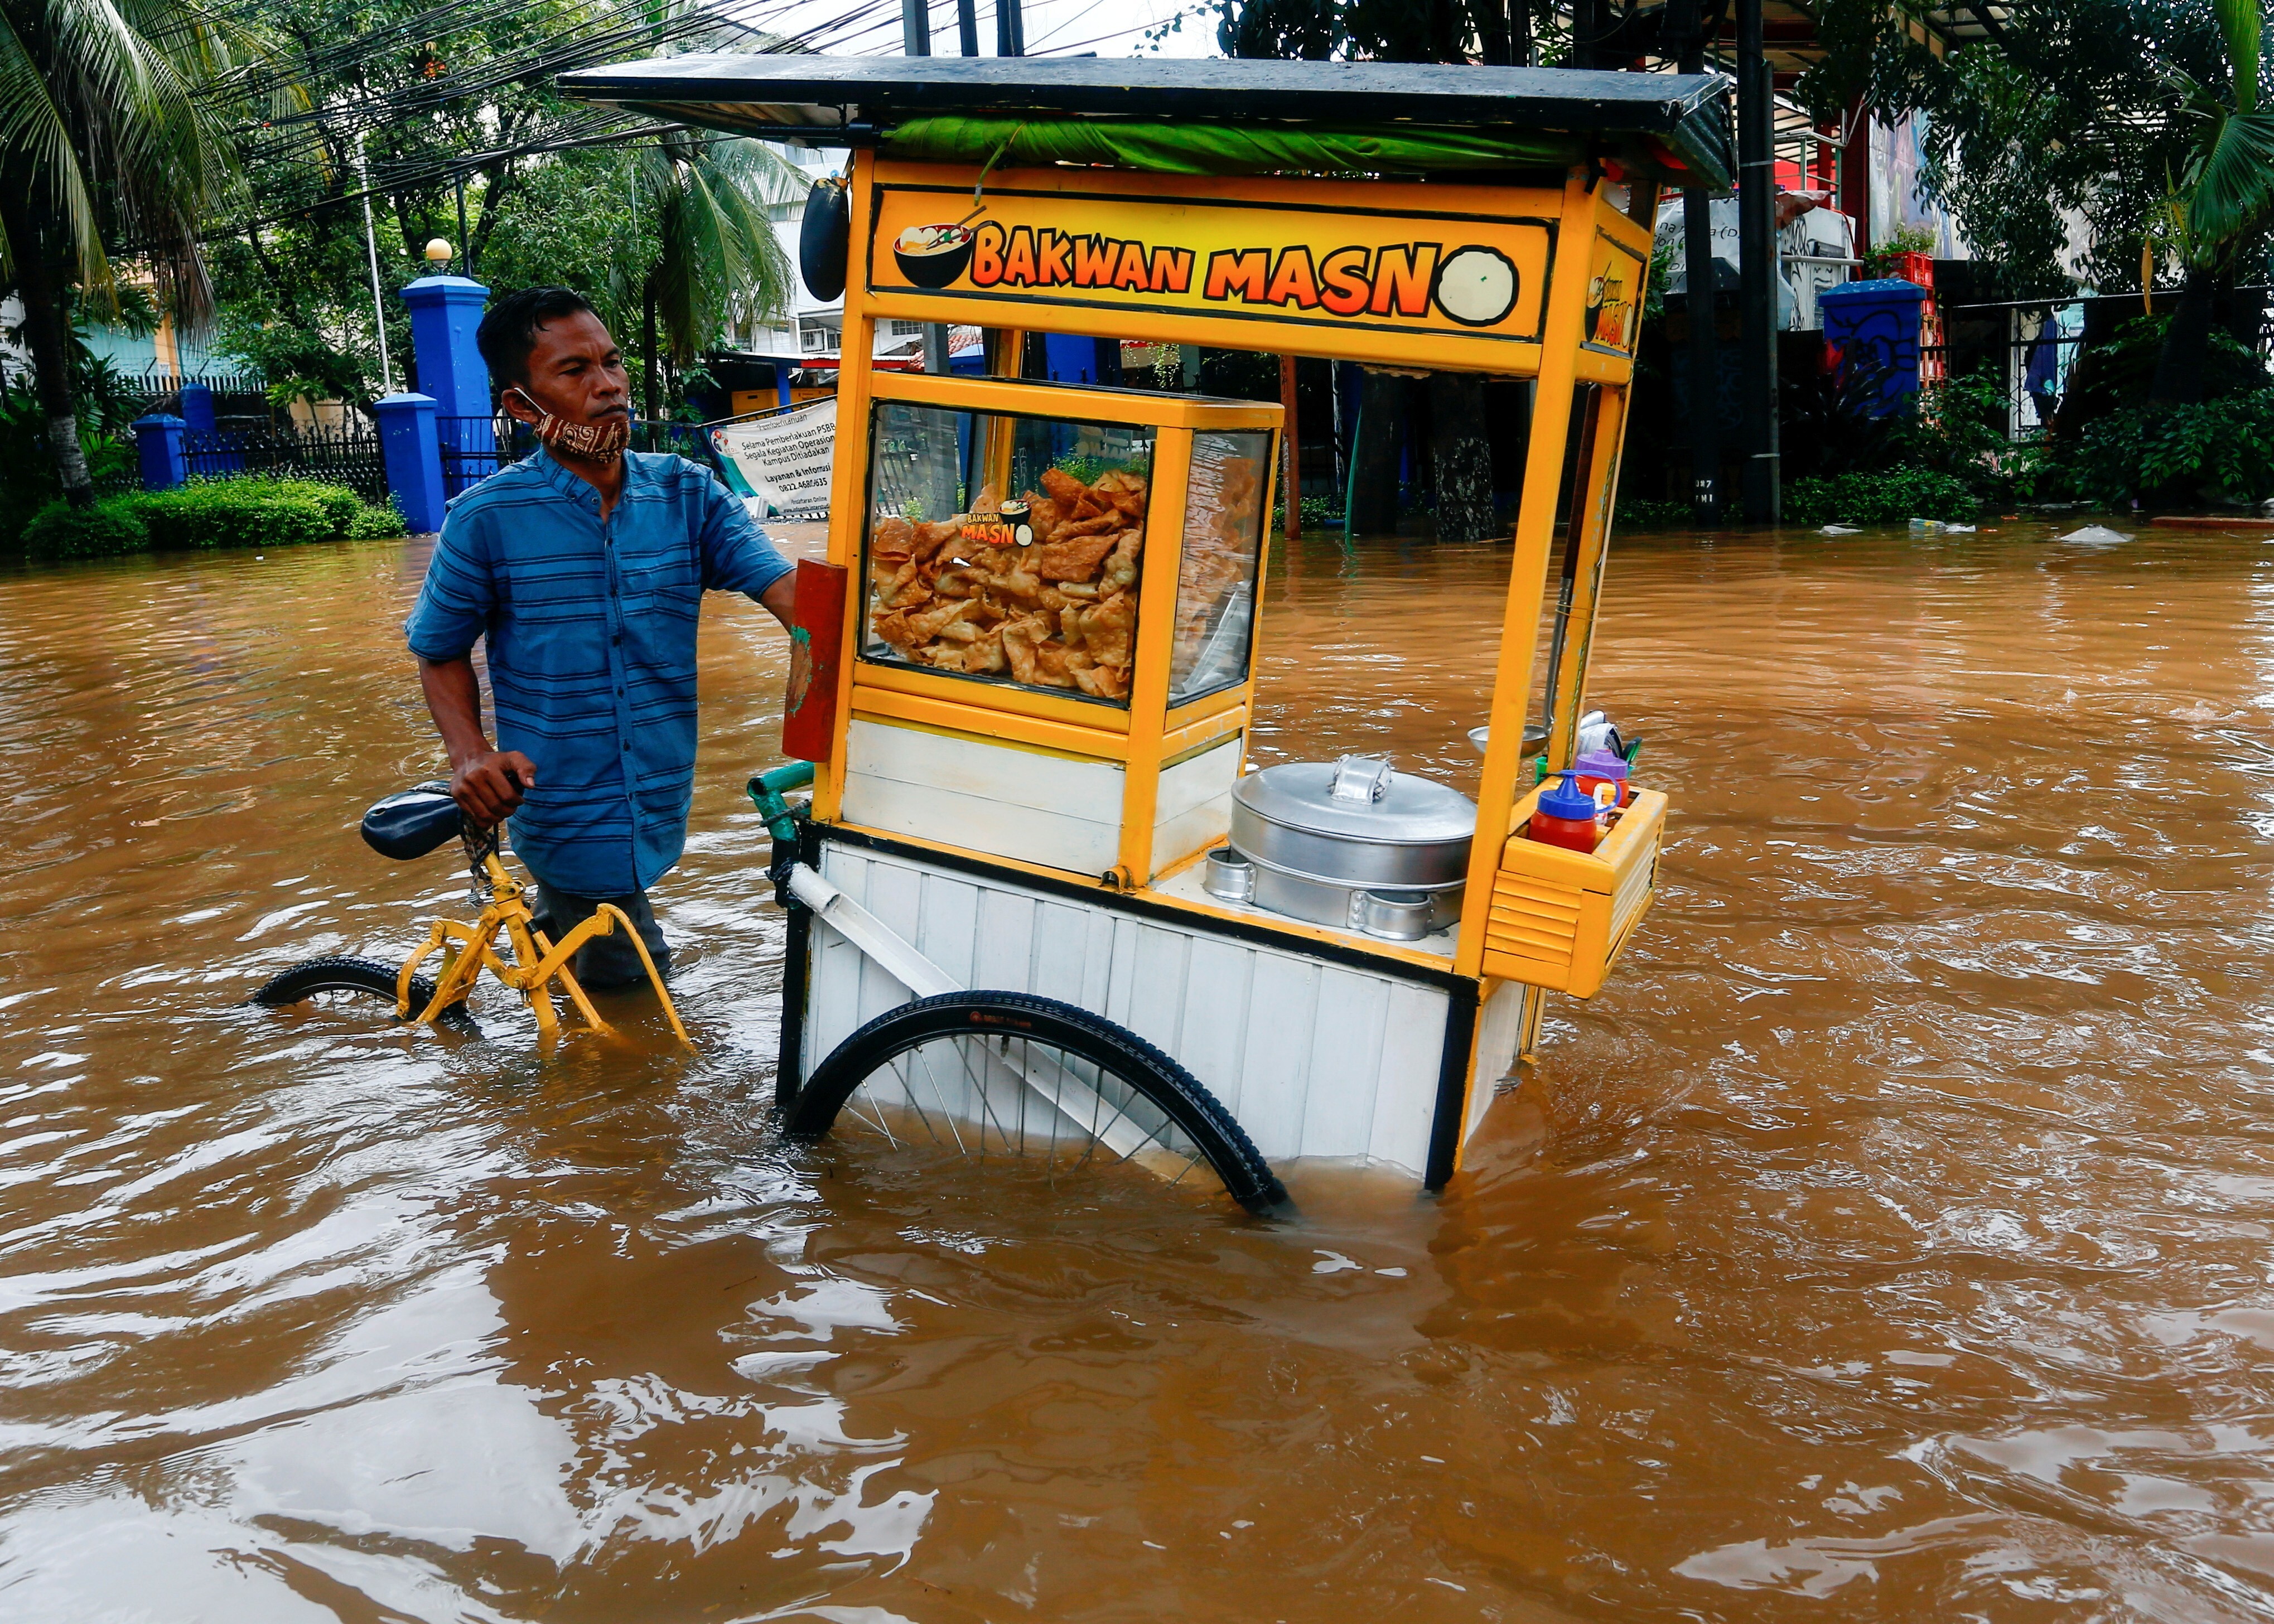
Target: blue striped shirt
point(591, 647)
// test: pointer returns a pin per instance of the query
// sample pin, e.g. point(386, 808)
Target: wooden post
point(1293, 485)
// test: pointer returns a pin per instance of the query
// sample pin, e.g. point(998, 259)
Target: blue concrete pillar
point(444, 313)
point(781, 385)
point(158, 445)
point(197, 408)
point(413, 455)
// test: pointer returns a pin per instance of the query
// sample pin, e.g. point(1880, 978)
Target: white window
point(908, 329)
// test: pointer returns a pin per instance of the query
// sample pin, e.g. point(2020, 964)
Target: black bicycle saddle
point(408, 824)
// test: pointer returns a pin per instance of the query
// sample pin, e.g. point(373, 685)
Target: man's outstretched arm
point(486, 783)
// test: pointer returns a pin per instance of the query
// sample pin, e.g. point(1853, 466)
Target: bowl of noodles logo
point(933, 256)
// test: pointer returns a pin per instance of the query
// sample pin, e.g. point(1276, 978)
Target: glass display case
point(1052, 633)
point(1006, 549)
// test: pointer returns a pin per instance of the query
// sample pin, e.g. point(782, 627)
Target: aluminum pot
point(1322, 835)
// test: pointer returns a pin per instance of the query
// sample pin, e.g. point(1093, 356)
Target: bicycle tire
point(340, 973)
point(1006, 1016)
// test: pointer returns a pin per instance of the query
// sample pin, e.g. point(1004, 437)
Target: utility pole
point(371, 246)
point(1492, 32)
point(1292, 488)
point(1587, 32)
point(1757, 264)
point(1686, 30)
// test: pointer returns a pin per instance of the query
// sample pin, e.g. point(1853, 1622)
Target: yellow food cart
point(1041, 904)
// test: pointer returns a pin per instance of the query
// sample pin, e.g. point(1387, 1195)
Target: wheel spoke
point(924, 1061)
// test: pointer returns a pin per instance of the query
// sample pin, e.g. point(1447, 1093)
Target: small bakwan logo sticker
point(991, 533)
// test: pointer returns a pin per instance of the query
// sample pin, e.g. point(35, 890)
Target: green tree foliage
point(2221, 201)
point(108, 144)
point(714, 250)
point(2139, 117)
point(2214, 453)
point(631, 220)
point(401, 92)
point(1513, 31)
point(2069, 108)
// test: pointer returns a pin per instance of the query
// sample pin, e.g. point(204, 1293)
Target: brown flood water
point(1893, 1239)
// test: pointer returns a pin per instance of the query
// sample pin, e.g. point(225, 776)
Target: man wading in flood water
point(584, 565)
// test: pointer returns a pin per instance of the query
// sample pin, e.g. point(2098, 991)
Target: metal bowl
point(1535, 738)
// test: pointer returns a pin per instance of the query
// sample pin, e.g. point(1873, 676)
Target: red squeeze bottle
point(1566, 816)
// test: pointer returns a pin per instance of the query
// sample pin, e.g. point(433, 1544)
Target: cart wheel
point(363, 985)
point(1008, 1074)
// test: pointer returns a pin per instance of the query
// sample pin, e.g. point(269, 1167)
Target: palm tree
point(2221, 201)
point(106, 144)
point(716, 251)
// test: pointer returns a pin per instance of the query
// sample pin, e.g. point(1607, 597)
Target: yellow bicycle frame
point(531, 964)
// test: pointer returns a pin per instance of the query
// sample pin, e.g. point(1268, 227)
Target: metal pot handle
point(1361, 778)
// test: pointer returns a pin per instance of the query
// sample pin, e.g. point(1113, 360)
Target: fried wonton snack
point(1101, 682)
point(1063, 488)
point(1020, 638)
point(1076, 559)
point(931, 537)
point(894, 537)
point(1109, 629)
point(1125, 490)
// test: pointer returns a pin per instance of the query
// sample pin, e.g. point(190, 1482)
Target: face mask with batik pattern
point(588, 443)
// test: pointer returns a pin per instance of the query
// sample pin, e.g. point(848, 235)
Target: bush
point(1888, 497)
point(1957, 428)
point(233, 513)
point(2115, 375)
point(1641, 513)
point(1952, 432)
point(2219, 453)
point(247, 512)
point(372, 523)
point(104, 531)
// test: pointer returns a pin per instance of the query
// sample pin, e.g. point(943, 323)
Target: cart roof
point(1680, 122)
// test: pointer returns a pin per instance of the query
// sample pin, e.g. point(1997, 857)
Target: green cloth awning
point(1191, 148)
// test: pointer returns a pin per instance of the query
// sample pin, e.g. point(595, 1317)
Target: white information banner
point(786, 458)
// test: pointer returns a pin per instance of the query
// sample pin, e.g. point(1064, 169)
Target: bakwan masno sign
point(1398, 268)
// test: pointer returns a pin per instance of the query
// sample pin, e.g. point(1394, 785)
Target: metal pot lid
point(1359, 797)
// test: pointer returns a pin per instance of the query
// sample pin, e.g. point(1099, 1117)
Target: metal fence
point(236, 395)
point(473, 448)
point(349, 456)
point(2035, 348)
